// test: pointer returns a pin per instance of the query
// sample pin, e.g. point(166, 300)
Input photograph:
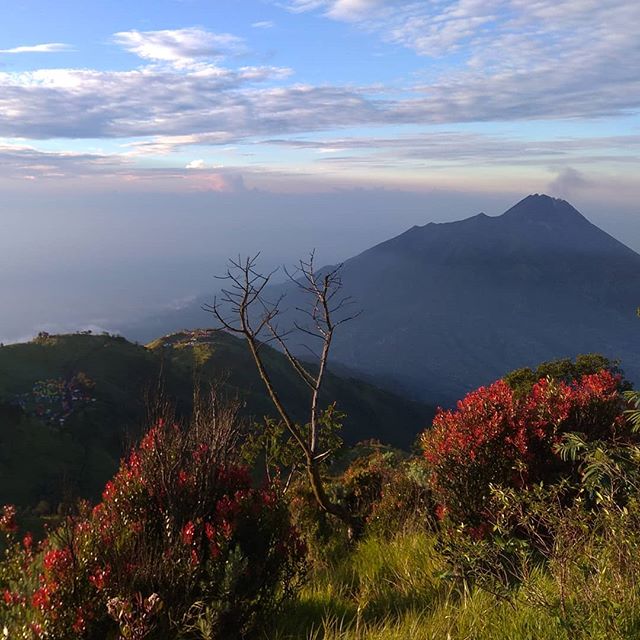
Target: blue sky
point(459, 105)
point(399, 91)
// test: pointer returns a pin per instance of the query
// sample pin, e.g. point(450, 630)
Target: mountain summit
point(447, 307)
point(538, 223)
point(540, 207)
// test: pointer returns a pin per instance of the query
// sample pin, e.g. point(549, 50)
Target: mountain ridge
point(535, 211)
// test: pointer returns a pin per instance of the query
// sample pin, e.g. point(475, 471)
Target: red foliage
point(495, 437)
point(27, 541)
point(8, 519)
point(175, 522)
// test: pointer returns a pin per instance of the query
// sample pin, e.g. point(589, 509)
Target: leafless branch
point(243, 310)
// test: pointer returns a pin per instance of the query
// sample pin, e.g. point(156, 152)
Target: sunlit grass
point(396, 590)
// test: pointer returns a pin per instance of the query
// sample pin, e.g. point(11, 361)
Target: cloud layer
point(515, 59)
point(496, 60)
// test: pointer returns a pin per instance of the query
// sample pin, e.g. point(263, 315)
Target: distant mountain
point(448, 307)
point(71, 404)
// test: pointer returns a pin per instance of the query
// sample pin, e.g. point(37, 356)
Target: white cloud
point(220, 105)
point(28, 163)
point(514, 59)
point(49, 47)
point(438, 27)
point(181, 47)
point(300, 6)
point(353, 9)
point(446, 155)
point(349, 10)
point(209, 104)
point(264, 24)
point(21, 162)
point(164, 145)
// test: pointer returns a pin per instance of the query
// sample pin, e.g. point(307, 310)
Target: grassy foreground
point(398, 590)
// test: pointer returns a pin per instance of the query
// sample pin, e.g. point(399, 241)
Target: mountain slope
point(70, 405)
point(448, 307)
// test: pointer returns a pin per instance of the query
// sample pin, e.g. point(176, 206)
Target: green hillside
point(71, 404)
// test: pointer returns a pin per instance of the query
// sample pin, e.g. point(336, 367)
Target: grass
point(396, 590)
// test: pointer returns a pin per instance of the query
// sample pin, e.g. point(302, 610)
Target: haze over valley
point(141, 151)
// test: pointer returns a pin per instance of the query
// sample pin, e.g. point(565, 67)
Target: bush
point(392, 494)
point(579, 528)
point(575, 563)
point(497, 437)
point(388, 492)
point(181, 544)
point(564, 370)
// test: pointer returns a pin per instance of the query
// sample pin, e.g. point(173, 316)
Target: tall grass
point(399, 590)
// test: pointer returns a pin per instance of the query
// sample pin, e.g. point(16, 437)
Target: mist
point(99, 261)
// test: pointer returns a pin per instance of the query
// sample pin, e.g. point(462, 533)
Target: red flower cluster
point(11, 598)
point(494, 436)
point(187, 532)
point(8, 519)
point(100, 577)
point(170, 522)
point(57, 561)
point(27, 541)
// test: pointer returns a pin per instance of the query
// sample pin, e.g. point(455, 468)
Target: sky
point(141, 143)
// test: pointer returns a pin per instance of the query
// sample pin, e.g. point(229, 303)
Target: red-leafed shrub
point(497, 437)
point(181, 544)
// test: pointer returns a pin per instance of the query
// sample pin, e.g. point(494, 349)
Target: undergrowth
point(401, 589)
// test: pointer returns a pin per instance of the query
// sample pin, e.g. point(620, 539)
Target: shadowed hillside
point(71, 404)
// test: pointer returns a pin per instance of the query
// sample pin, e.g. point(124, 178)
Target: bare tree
point(242, 309)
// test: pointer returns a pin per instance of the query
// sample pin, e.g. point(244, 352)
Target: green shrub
point(575, 561)
point(564, 370)
point(385, 489)
point(404, 501)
